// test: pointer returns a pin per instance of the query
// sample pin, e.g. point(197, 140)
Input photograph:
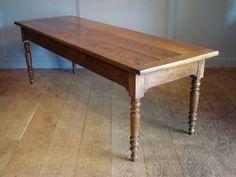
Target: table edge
point(161, 64)
point(176, 61)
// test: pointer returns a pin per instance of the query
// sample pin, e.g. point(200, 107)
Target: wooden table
point(132, 59)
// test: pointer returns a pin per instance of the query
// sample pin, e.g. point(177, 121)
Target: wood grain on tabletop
point(127, 49)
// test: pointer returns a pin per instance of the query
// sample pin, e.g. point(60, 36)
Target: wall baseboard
point(222, 61)
point(20, 64)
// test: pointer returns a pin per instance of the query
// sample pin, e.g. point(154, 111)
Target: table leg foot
point(73, 68)
point(134, 127)
point(134, 142)
point(28, 59)
point(194, 99)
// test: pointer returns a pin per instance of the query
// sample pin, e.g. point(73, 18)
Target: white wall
point(150, 16)
point(11, 46)
point(211, 23)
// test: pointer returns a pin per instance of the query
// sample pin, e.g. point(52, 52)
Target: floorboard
point(28, 156)
point(67, 125)
point(95, 148)
point(62, 153)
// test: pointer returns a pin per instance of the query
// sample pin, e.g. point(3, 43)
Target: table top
point(127, 49)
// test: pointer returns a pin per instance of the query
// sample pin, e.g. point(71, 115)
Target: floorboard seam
point(59, 115)
point(85, 115)
point(29, 120)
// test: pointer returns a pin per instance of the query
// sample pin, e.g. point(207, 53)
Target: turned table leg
point(74, 67)
point(194, 99)
point(28, 61)
point(134, 127)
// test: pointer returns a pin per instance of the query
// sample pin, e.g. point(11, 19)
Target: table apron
point(171, 74)
point(100, 67)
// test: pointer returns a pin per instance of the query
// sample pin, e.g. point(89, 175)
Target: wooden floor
point(78, 126)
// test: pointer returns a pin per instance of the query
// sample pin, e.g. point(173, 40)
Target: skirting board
point(19, 64)
point(222, 61)
point(36, 64)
